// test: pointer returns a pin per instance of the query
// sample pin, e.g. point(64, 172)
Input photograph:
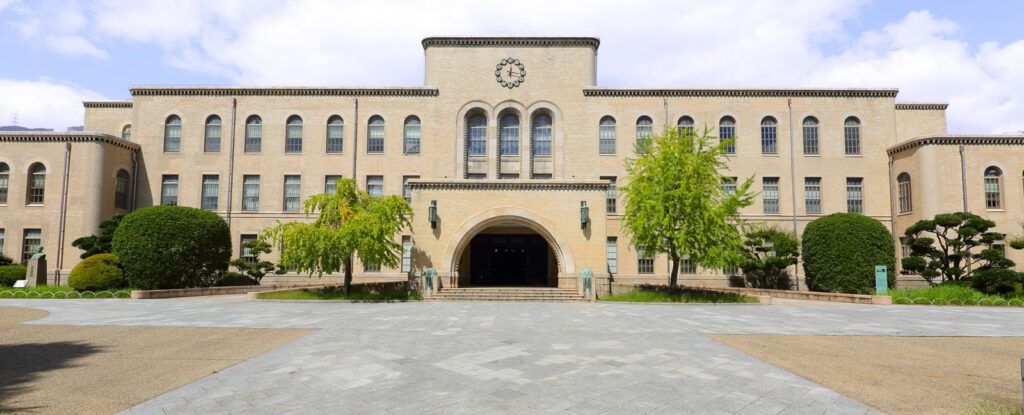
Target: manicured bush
point(997, 281)
point(11, 273)
point(96, 273)
point(5, 260)
point(840, 252)
point(163, 247)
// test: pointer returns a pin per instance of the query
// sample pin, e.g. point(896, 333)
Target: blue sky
point(58, 53)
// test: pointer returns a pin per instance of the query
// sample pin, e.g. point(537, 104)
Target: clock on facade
point(510, 73)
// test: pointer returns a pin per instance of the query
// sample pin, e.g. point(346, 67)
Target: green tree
point(944, 247)
point(770, 252)
point(349, 223)
point(677, 203)
point(99, 244)
point(251, 272)
point(840, 252)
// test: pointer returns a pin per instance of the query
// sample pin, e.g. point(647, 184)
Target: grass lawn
point(60, 291)
point(338, 293)
point(951, 294)
point(679, 296)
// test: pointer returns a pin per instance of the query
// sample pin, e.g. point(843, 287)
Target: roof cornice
point(739, 92)
point(472, 184)
point(66, 137)
point(107, 104)
point(921, 106)
point(280, 91)
point(957, 139)
point(588, 41)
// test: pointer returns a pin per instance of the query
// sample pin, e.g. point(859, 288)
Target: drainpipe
point(63, 214)
point(231, 162)
point(355, 140)
point(792, 176)
point(892, 211)
point(135, 177)
point(963, 176)
point(665, 101)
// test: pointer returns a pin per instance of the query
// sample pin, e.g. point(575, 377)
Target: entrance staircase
point(526, 294)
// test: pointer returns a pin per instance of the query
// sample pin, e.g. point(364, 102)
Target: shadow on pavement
point(21, 364)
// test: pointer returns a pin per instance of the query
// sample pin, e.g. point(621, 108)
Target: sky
point(56, 54)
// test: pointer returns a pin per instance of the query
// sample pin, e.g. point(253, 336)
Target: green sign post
point(881, 280)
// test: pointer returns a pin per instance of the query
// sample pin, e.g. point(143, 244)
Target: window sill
point(812, 155)
point(606, 154)
point(334, 153)
point(410, 153)
point(293, 153)
point(905, 213)
point(376, 153)
point(35, 205)
point(854, 155)
point(995, 210)
point(769, 154)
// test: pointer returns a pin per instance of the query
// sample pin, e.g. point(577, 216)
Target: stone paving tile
point(450, 358)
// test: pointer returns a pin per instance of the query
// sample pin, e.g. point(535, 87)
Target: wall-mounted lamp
point(432, 214)
point(584, 215)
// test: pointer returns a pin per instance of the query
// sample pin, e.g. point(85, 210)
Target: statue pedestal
point(36, 273)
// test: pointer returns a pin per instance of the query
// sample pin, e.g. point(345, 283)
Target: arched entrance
point(508, 254)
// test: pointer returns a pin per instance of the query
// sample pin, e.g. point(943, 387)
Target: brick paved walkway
point(517, 357)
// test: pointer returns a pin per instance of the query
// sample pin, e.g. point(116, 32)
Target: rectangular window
point(33, 241)
point(726, 132)
point(810, 138)
point(644, 263)
point(375, 138)
point(293, 138)
point(246, 253)
point(406, 253)
point(904, 197)
point(606, 135)
point(612, 254)
point(375, 186)
point(172, 138)
point(770, 193)
point(731, 271)
point(292, 193)
point(36, 188)
point(812, 195)
point(4, 183)
point(371, 267)
point(330, 184)
point(253, 137)
point(542, 140)
point(406, 189)
point(852, 140)
point(729, 185)
point(1000, 246)
point(169, 190)
point(210, 191)
point(904, 247)
point(769, 139)
point(992, 197)
point(212, 142)
point(412, 137)
point(477, 140)
point(250, 193)
point(855, 195)
point(335, 137)
point(609, 206)
point(686, 266)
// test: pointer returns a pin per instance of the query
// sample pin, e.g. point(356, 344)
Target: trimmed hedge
point(997, 281)
point(165, 247)
point(840, 252)
point(11, 273)
point(96, 273)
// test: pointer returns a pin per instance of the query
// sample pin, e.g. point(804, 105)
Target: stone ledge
point(808, 295)
point(198, 292)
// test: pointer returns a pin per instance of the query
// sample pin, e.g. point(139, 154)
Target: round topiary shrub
point(840, 252)
point(163, 247)
point(96, 273)
point(11, 273)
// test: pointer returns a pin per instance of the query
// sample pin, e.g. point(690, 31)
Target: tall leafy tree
point(350, 223)
point(947, 247)
point(769, 254)
point(677, 204)
point(99, 244)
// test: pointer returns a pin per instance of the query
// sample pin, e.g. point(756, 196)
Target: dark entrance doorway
point(508, 260)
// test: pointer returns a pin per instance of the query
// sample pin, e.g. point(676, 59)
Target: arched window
point(993, 188)
point(685, 125)
point(5, 181)
point(542, 135)
point(121, 190)
point(509, 135)
point(476, 134)
point(126, 133)
point(335, 134)
point(375, 135)
point(606, 134)
point(36, 184)
point(643, 132)
point(905, 198)
point(172, 134)
point(810, 135)
point(293, 135)
point(412, 134)
point(253, 134)
point(851, 132)
point(769, 140)
point(212, 142)
point(727, 131)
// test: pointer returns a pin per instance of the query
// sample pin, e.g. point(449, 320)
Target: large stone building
point(507, 139)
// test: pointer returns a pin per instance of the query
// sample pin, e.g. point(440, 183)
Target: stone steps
point(525, 294)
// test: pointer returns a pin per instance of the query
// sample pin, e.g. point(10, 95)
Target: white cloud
point(43, 103)
point(74, 46)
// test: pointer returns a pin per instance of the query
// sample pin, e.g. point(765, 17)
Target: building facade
point(507, 140)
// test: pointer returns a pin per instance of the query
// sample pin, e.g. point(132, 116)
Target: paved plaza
point(445, 358)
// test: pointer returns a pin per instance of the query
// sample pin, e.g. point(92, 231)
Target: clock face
point(510, 73)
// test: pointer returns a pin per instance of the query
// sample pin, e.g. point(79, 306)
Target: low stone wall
point(363, 285)
point(808, 295)
point(197, 292)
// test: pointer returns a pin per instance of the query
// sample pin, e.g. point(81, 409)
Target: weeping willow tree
point(679, 201)
point(350, 223)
